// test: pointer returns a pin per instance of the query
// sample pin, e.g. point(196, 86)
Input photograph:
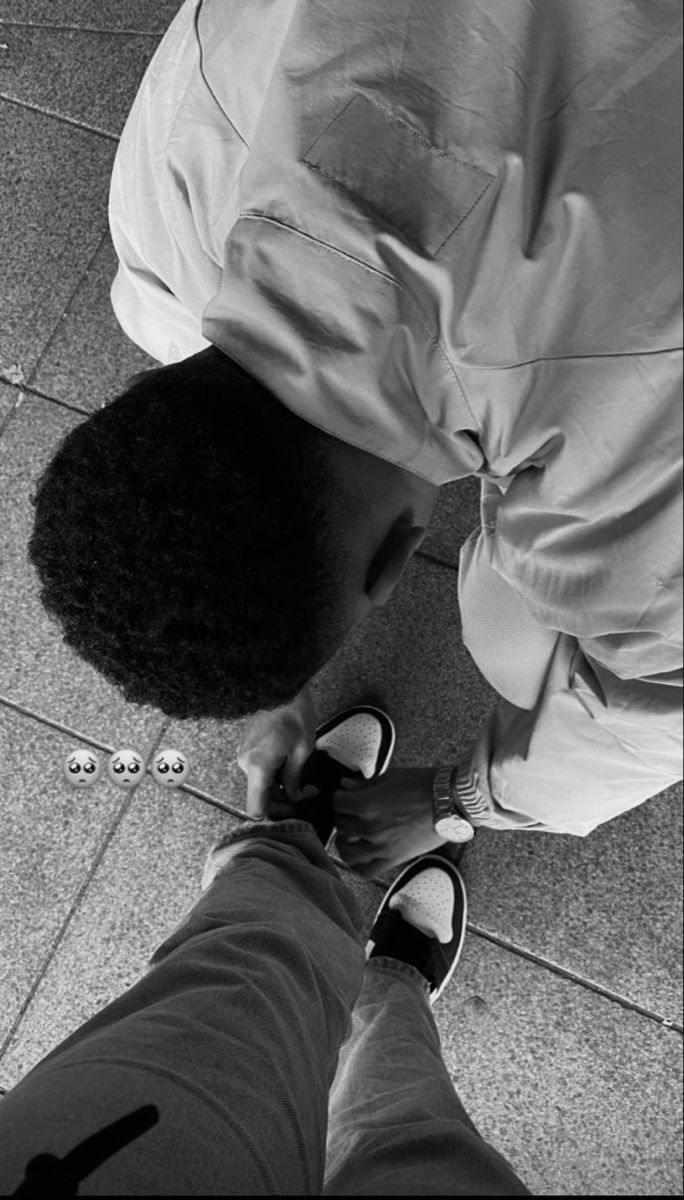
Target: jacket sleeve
point(165, 274)
point(146, 309)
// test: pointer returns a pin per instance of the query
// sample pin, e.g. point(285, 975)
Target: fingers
point(258, 786)
point(355, 785)
point(360, 855)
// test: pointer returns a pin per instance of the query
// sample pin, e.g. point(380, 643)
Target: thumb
point(257, 792)
point(292, 769)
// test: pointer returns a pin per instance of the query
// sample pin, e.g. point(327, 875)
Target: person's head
point(206, 549)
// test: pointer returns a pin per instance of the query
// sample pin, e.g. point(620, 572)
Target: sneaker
point(358, 743)
point(422, 920)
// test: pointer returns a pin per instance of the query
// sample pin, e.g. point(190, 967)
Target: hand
point(284, 737)
point(386, 821)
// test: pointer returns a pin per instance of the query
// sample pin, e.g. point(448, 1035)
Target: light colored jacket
point(450, 234)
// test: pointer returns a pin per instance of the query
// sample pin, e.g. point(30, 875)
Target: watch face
point(454, 829)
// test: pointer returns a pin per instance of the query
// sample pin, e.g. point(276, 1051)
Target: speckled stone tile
point(9, 396)
point(581, 1095)
point(49, 837)
point(148, 878)
point(456, 515)
point(147, 15)
point(86, 76)
point(578, 1093)
point(36, 669)
point(54, 181)
point(90, 359)
point(608, 906)
point(407, 657)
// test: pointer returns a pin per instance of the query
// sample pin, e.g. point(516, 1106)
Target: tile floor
point(562, 1029)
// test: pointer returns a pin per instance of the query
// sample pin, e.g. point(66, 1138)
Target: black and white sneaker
point(422, 920)
point(357, 743)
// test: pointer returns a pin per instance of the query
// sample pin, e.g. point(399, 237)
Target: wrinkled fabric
point(279, 1062)
point(450, 234)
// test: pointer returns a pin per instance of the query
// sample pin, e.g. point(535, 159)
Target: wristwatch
point(448, 822)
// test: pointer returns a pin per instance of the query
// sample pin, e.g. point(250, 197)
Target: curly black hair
point(185, 542)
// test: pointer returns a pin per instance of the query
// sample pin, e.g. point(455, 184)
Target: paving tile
point(148, 15)
point(86, 76)
point(54, 181)
point(407, 656)
point(211, 747)
point(36, 669)
point(149, 877)
point(49, 836)
point(581, 1095)
point(8, 398)
point(90, 358)
point(608, 906)
point(534, 1057)
point(456, 515)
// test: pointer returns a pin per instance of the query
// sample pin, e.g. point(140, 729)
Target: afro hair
point(183, 541)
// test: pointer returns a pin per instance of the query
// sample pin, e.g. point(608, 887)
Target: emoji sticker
point(82, 767)
point(170, 768)
point(125, 767)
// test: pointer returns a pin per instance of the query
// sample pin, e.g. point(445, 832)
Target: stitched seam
point(200, 46)
point(432, 336)
point(395, 966)
point(465, 215)
point(255, 215)
point(331, 122)
point(530, 362)
point(396, 120)
point(360, 198)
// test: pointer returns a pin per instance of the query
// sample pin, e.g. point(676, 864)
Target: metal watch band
point(448, 820)
point(443, 803)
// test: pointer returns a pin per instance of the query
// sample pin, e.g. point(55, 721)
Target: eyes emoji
point(82, 767)
point(170, 768)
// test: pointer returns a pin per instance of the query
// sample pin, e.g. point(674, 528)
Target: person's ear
point(390, 561)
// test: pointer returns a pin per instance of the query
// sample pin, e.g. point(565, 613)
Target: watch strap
point(443, 803)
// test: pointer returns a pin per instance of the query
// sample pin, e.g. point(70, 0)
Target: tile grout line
point(10, 23)
point(511, 947)
point(52, 723)
point(120, 813)
point(56, 327)
point(16, 402)
point(59, 936)
point(230, 810)
point(32, 390)
point(573, 977)
point(48, 112)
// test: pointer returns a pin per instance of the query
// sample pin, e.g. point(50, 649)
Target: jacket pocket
point(390, 167)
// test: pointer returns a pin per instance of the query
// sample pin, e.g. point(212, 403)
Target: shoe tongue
point(341, 756)
point(325, 773)
point(417, 915)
